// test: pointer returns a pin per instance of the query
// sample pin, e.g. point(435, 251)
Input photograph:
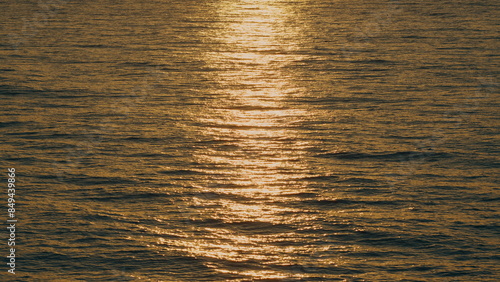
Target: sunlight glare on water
point(260, 162)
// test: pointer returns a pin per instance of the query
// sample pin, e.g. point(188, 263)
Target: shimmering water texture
point(252, 140)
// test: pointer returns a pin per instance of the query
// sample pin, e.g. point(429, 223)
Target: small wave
point(143, 139)
point(95, 46)
point(24, 160)
point(327, 202)
point(248, 127)
point(397, 156)
point(146, 155)
point(13, 91)
point(254, 108)
point(301, 195)
point(11, 123)
point(260, 226)
point(358, 180)
point(100, 180)
point(219, 196)
point(128, 196)
point(181, 172)
point(374, 61)
point(320, 178)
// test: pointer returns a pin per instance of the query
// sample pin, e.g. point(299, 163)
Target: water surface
point(245, 140)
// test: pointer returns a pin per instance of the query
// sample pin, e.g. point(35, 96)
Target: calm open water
point(252, 140)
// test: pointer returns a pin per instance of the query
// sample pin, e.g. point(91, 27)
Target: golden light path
point(254, 89)
point(264, 156)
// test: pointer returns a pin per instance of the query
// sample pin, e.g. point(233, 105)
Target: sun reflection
point(260, 150)
point(254, 116)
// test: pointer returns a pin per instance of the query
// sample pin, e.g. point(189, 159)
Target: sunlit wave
point(262, 149)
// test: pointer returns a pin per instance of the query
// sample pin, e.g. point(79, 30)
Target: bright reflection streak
point(263, 150)
point(254, 114)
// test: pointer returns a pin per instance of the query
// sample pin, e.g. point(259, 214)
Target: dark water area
point(251, 140)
